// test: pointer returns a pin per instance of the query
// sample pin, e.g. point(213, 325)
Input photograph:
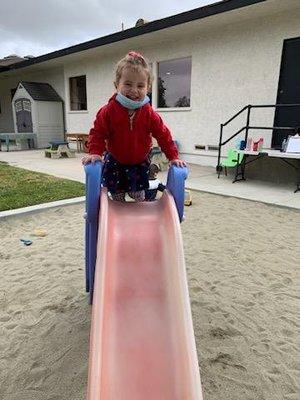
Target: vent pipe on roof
point(141, 22)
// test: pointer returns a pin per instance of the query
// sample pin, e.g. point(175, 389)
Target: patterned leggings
point(137, 196)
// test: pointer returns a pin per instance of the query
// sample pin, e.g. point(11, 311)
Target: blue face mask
point(131, 104)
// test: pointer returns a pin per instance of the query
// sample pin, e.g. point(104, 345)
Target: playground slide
point(142, 343)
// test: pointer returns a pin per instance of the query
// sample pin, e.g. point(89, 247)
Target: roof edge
point(177, 19)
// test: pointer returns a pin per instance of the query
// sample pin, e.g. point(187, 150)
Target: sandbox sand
point(242, 263)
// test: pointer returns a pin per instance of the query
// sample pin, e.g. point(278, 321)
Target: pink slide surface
point(142, 344)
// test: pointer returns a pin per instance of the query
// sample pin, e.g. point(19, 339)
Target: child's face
point(133, 84)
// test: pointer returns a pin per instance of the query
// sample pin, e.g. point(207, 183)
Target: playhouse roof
point(41, 91)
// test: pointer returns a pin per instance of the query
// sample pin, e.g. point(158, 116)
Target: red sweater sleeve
point(99, 133)
point(163, 136)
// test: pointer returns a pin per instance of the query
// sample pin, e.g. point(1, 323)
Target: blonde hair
point(135, 61)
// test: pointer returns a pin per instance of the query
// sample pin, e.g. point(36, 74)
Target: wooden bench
point(81, 140)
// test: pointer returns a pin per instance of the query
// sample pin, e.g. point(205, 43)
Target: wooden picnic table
point(59, 149)
point(81, 141)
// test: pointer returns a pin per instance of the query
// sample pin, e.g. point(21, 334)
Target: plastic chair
point(234, 158)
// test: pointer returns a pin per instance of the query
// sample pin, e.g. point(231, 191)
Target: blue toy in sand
point(26, 242)
point(175, 185)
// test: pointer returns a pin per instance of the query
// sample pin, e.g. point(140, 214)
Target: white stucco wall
point(99, 88)
point(235, 62)
point(232, 66)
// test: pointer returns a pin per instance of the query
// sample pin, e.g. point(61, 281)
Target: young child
point(123, 129)
point(154, 183)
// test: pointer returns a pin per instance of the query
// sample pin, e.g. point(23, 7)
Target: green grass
point(22, 188)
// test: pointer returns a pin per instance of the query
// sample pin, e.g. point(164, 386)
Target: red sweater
point(129, 142)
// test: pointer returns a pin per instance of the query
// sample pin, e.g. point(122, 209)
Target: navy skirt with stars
point(119, 178)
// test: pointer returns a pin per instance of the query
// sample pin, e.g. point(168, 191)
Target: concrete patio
point(200, 178)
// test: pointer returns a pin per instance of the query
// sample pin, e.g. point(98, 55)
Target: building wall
point(232, 66)
point(98, 71)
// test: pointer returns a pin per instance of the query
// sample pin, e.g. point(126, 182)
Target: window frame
point(171, 109)
point(82, 111)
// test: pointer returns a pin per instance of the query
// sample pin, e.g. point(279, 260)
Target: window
point(26, 105)
point(174, 83)
point(78, 93)
point(18, 106)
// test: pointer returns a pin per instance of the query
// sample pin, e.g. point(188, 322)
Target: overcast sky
point(35, 27)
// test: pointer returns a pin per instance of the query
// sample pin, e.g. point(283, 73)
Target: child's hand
point(178, 162)
point(91, 158)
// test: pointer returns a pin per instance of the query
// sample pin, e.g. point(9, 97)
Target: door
point(288, 91)
point(23, 115)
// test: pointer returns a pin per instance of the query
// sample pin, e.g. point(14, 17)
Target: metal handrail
point(247, 127)
point(235, 115)
point(274, 105)
point(235, 134)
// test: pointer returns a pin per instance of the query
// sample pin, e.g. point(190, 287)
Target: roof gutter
point(188, 16)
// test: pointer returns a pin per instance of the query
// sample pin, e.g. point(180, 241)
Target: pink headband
point(135, 54)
